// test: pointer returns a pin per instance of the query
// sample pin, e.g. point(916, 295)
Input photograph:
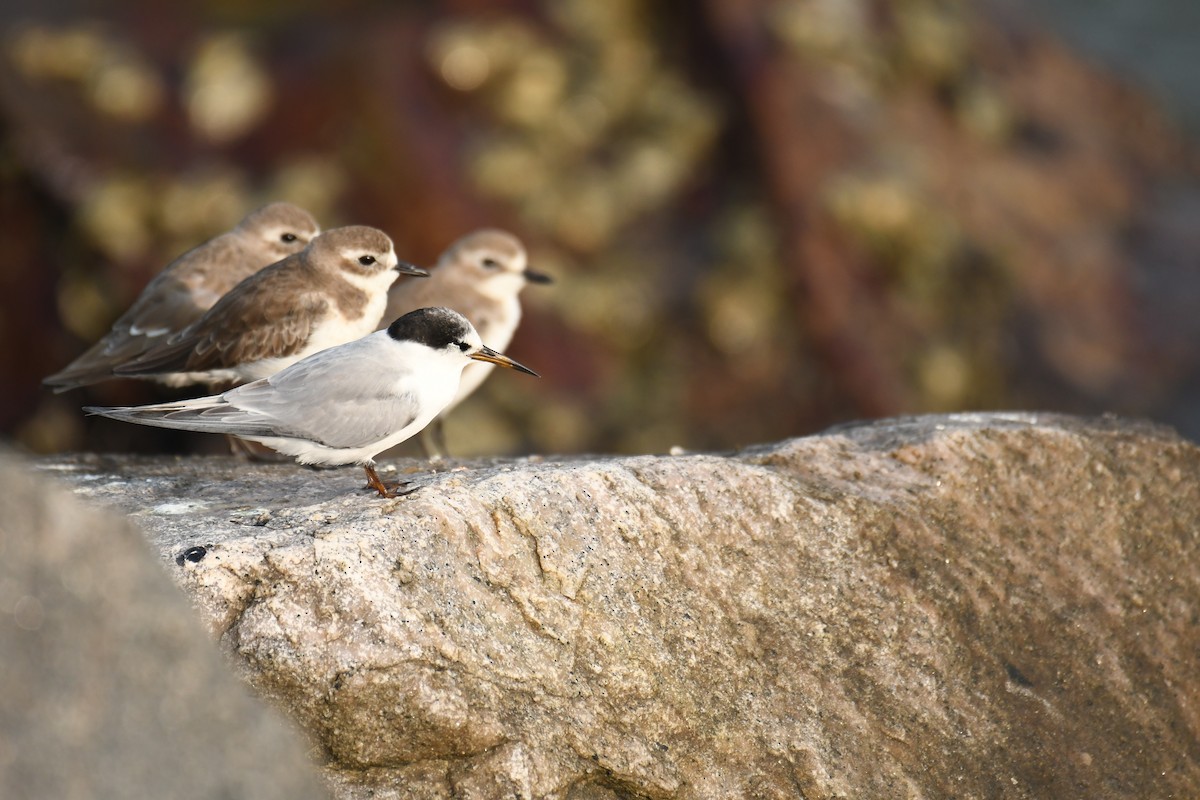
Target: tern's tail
point(204, 414)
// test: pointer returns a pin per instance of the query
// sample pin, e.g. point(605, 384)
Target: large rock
point(962, 606)
point(109, 686)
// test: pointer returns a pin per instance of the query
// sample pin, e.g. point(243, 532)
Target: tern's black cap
point(433, 327)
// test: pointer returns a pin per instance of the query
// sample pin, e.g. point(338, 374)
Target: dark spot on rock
point(192, 554)
point(1016, 676)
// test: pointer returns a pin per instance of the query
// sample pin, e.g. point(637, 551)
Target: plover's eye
point(491, 263)
point(366, 261)
point(288, 237)
point(464, 346)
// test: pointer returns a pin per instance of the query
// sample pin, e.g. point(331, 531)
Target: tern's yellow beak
point(491, 356)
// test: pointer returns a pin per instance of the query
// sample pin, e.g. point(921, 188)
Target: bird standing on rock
point(331, 292)
point(346, 404)
point(189, 286)
point(481, 276)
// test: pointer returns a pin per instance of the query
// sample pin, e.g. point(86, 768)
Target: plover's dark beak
point(491, 356)
point(405, 268)
point(537, 277)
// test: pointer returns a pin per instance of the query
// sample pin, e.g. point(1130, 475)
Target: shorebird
point(331, 292)
point(189, 286)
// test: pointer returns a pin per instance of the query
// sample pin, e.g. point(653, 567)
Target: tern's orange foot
point(386, 490)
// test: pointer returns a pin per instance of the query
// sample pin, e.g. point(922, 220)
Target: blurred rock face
point(959, 605)
point(108, 684)
point(765, 215)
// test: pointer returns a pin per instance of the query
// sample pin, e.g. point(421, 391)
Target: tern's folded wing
point(204, 414)
point(339, 397)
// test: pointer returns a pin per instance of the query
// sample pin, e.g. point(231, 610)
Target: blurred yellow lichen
point(312, 182)
point(588, 133)
point(476, 428)
point(467, 55)
point(983, 111)
point(115, 79)
point(533, 89)
point(565, 422)
point(944, 377)
point(226, 91)
point(820, 27)
point(917, 242)
point(742, 298)
point(878, 207)
point(460, 61)
point(69, 54)
point(55, 427)
point(933, 36)
point(582, 213)
point(581, 121)
point(115, 215)
point(510, 169)
point(620, 74)
point(615, 304)
point(84, 309)
point(123, 86)
point(199, 205)
point(588, 19)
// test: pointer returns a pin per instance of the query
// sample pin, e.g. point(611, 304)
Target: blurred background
point(763, 216)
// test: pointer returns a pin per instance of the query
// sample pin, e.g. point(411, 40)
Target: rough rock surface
point(961, 606)
point(109, 685)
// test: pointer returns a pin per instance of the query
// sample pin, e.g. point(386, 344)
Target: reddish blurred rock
point(765, 217)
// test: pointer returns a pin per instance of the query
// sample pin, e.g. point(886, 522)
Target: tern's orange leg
point(374, 482)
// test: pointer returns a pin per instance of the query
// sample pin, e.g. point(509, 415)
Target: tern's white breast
point(496, 326)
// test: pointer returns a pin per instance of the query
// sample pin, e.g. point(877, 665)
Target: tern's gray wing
point(345, 396)
point(205, 414)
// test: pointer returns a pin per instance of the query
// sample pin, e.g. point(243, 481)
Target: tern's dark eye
point(366, 261)
point(463, 346)
point(491, 263)
point(288, 237)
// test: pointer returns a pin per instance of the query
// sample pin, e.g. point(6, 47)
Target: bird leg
point(374, 482)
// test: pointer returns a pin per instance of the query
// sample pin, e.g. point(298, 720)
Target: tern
point(345, 404)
